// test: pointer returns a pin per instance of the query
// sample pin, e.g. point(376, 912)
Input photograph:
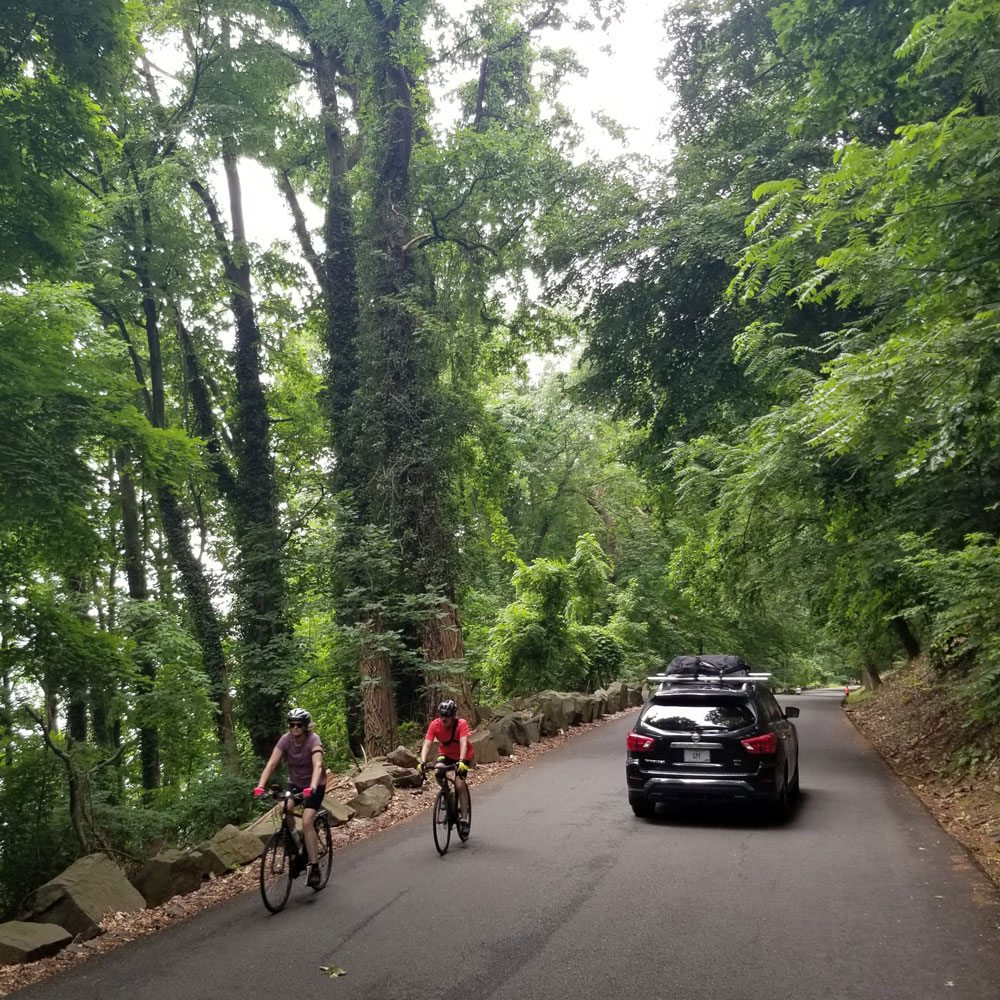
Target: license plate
point(697, 756)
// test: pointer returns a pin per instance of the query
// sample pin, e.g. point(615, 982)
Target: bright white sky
point(621, 83)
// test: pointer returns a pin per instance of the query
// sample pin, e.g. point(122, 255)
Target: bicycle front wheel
point(325, 857)
point(442, 823)
point(276, 871)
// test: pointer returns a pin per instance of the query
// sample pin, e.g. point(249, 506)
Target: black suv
point(712, 739)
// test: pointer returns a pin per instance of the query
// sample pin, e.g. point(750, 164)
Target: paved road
point(562, 893)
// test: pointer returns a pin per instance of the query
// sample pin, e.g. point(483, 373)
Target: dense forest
point(334, 470)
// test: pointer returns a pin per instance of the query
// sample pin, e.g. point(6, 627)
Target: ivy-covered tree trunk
point(440, 644)
point(267, 654)
point(204, 619)
point(135, 574)
point(404, 362)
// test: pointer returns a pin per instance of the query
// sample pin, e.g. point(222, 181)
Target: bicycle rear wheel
point(442, 822)
point(325, 856)
point(276, 871)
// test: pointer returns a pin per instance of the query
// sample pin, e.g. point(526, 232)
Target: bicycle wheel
point(325, 857)
point(276, 871)
point(468, 815)
point(442, 822)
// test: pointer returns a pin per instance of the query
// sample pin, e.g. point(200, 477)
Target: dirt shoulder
point(120, 928)
point(919, 727)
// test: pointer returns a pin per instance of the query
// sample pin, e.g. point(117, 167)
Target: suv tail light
point(768, 743)
point(636, 742)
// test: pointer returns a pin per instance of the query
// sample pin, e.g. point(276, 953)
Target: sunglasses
point(296, 725)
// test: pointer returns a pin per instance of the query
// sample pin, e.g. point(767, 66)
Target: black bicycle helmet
point(299, 715)
point(447, 707)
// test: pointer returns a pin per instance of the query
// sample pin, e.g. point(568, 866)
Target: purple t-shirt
point(300, 758)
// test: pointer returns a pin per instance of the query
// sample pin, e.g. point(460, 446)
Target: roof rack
point(734, 680)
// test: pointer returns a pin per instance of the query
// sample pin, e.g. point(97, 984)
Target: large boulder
point(22, 942)
point(340, 812)
point(230, 848)
point(501, 731)
point(586, 704)
point(483, 748)
point(373, 774)
point(401, 757)
point(80, 897)
point(371, 802)
point(617, 697)
point(572, 708)
point(634, 698)
point(170, 873)
point(532, 729)
point(600, 703)
point(549, 705)
point(406, 777)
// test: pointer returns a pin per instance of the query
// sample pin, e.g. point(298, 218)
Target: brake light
point(768, 743)
point(636, 742)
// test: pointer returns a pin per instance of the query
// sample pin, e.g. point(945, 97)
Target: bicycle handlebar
point(278, 794)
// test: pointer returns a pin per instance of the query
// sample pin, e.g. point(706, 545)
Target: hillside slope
point(918, 725)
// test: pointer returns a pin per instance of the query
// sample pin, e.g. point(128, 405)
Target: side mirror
point(791, 712)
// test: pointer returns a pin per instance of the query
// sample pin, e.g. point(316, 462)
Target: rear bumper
point(676, 789)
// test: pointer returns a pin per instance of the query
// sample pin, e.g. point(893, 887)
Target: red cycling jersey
point(448, 737)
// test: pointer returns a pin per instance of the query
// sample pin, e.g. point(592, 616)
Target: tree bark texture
point(376, 693)
point(870, 676)
point(442, 642)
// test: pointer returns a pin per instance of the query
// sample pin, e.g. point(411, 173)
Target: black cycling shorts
point(315, 801)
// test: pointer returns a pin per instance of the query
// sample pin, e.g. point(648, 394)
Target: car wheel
point(795, 789)
point(780, 806)
point(642, 807)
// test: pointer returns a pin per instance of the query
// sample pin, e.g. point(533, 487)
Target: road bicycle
point(446, 809)
point(285, 858)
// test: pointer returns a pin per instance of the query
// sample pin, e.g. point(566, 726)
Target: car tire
point(781, 806)
point(795, 790)
point(643, 808)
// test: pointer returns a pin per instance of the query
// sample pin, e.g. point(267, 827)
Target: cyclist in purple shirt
point(303, 751)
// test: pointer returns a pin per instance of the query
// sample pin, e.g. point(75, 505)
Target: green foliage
point(36, 841)
point(552, 635)
point(964, 622)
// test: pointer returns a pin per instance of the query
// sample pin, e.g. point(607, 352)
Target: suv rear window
point(681, 715)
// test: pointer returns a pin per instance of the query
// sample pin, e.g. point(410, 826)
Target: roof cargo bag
point(713, 665)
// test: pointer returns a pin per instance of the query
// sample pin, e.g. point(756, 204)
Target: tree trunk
point(870, 676)
point(135, 574)
point(906, 638)
point(376, 693)
point(441, 643)
point(204, 620)
point(268, 656)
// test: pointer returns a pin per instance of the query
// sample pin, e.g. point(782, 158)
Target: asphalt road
point(562, 893)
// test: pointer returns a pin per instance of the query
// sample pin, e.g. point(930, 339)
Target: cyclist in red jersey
point(452, 736)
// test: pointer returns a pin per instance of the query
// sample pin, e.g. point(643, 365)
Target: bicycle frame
point(445, 815)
